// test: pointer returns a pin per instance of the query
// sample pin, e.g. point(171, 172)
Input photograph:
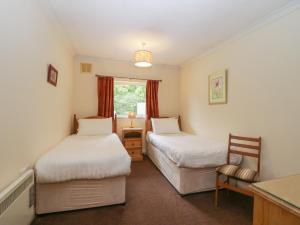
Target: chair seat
point(228, 170)
point(240, 173)
point(246, 174)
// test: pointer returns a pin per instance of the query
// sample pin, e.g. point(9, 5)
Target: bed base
point(184, 180)
point(79, 194)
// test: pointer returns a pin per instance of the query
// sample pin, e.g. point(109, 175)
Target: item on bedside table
point(131, 115)
point(133, 142)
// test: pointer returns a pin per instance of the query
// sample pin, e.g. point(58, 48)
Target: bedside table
point(132, 139)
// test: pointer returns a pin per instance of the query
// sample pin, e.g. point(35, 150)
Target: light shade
point(143, 58)
point(131, 115)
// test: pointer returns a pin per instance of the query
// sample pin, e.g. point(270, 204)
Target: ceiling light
point(143, 58)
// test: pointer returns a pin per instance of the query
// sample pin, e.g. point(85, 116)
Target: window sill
point(126, 117)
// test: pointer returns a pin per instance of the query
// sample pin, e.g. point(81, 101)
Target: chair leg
point(217, 190)
point(227, 190)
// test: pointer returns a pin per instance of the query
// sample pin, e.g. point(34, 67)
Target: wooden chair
point(245, 146)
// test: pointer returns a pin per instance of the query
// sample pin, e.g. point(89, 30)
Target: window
point(130, 96)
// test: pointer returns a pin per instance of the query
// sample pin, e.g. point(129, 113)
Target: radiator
point(17, 201)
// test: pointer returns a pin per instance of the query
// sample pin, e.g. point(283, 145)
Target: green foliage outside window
point(127, 97)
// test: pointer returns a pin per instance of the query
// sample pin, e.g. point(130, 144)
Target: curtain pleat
point(152, 98)
point(106, 96)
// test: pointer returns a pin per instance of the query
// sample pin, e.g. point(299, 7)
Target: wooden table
point(277, 202)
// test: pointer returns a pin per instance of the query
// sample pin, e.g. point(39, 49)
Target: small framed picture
point(217, 87)
point(52, 75)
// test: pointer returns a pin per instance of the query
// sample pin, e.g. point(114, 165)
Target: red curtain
point(106, 96)
point(152, 98)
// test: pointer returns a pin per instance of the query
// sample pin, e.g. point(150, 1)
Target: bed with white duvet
point(191, 151)
point(84, 157)
point(187, 161)
point(87, 169)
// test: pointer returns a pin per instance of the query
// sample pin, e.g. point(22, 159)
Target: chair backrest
point(245, 146)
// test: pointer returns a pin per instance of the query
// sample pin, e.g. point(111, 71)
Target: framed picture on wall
point(217, 87)
point(52, 75)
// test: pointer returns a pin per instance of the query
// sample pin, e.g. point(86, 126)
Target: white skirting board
point(15, 207)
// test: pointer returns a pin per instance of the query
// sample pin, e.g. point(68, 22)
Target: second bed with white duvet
point(187, 161)
point(191, 151)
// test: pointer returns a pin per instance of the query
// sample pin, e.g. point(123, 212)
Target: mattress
point(191, 151)
point(84, 157)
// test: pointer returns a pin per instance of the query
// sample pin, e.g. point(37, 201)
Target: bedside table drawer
point(134, 151)
point(133, 143)
point(135, 154)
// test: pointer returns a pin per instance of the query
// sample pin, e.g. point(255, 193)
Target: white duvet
point(191, 151)
point(84, 157)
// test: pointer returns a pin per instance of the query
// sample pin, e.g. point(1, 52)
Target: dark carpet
point(151, 200)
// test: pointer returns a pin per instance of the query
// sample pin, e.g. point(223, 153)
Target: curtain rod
point(129, 78)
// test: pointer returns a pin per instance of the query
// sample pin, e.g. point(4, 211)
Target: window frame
point(130, 82)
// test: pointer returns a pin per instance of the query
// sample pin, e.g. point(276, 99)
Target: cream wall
point(85, 99)
point(263, 93)
point(34, 114)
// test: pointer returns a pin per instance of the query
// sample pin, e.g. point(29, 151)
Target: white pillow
point(165, 126)
point(92, 127)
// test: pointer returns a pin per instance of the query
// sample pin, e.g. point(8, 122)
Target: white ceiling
point(174, 30)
